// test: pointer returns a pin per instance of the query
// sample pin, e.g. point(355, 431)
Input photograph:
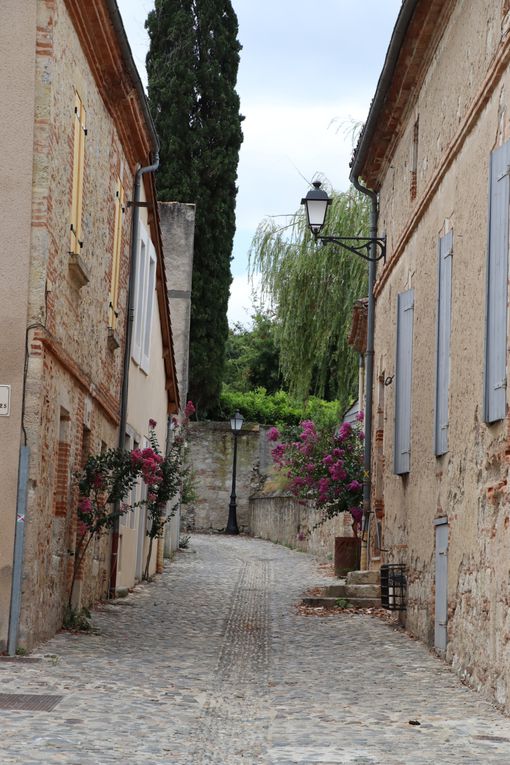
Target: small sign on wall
point(5, 400)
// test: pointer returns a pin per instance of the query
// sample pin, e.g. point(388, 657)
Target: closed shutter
point(444, 302)
point(403, 382)
point(497, 286)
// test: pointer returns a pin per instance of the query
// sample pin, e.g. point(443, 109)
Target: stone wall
point(284, 520)
point(211, 450)
point(278, 518)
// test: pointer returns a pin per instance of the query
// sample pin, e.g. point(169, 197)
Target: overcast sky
point(309, 68)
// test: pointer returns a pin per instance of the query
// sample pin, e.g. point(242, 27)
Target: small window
point(414, 160)
point(62, 478)
point(145, 286)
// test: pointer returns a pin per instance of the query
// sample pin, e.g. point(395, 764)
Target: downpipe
point(135, 226)
point(369, 378)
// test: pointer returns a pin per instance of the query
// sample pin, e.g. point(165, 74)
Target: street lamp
point(236, 423)
point(371, 248)
point(316, 205)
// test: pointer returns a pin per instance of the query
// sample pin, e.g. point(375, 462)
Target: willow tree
point(192, 70)
point(312, 289)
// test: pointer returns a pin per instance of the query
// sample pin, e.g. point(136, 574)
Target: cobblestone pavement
point(212, 664)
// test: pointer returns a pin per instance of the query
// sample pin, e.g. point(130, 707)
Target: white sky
point(308, 69)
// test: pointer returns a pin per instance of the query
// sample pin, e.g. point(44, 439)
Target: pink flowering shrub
point(323, 466)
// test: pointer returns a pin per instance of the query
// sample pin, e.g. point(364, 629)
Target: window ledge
point(78, 271)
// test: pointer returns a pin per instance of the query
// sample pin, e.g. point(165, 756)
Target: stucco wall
point(463, 114)
point(211, 457)
point(17, 76)
point(178, 233)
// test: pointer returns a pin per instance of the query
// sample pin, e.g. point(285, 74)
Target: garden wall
point(284, 520)
point(211, 454)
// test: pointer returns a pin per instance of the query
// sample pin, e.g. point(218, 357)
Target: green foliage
point(342, 603)
point(184, 542)
point(277, 409)
point(312, 289)
point(77, 620)
point(192, 69)
point(252, 357)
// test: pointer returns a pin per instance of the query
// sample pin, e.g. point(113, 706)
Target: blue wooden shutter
point(444, 303)
point(497, 286)
point(403, 382)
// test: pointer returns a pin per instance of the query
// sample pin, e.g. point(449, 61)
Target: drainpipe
point(369, 376)
point(127, 351)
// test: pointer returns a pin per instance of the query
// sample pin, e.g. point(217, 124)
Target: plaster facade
point(433, 178)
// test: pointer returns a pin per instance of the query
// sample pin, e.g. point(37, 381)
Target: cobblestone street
point(212, 664)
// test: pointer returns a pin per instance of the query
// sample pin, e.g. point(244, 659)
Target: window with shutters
point(497, 286)
point(145, 286)
point(80, 132)
point(113, 312)
point(444, 303)
point(403, 382)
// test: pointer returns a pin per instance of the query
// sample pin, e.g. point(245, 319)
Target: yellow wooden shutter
point(78, 171)
point(117, 244)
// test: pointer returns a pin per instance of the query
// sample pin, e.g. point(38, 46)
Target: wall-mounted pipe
point(135, 225)
point(369, 374)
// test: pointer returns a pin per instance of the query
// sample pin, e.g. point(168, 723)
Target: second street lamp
point(236, 423)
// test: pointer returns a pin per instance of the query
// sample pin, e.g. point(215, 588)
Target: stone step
point(335, 591)
point(362, 591)
point(363, 577)
point(325, 602)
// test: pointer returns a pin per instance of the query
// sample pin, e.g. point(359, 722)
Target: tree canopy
point(192, 68)
point(312, 290)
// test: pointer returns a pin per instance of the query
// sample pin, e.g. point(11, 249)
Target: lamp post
point(370, 248)
point(236, 423)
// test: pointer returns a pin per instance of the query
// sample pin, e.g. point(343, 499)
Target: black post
point(232, 527)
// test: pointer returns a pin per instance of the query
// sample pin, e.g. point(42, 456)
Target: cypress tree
point(192, 68)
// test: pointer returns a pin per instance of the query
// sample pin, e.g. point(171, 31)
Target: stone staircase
point(361, 589)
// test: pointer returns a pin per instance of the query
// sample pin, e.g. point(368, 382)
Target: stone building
point(75, 133)
point(436, 149)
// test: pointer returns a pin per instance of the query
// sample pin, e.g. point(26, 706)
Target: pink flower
point(189, 409)
point(98, 481)
point(354, 486)
point(85, 505)
point(337, 472)
point(152, 424)
point(273, 434)
point(345, 431)
point(152, 497)
point(360, 416)
point(357, 514)
point(328, 460)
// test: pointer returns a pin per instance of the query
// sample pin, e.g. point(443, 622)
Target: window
point(444, 302)
point(497, 286)
point(61, 491)
point(80, 132)
point(414, 160)
point(113, 312)
point(145, 285)
point(403, 382)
